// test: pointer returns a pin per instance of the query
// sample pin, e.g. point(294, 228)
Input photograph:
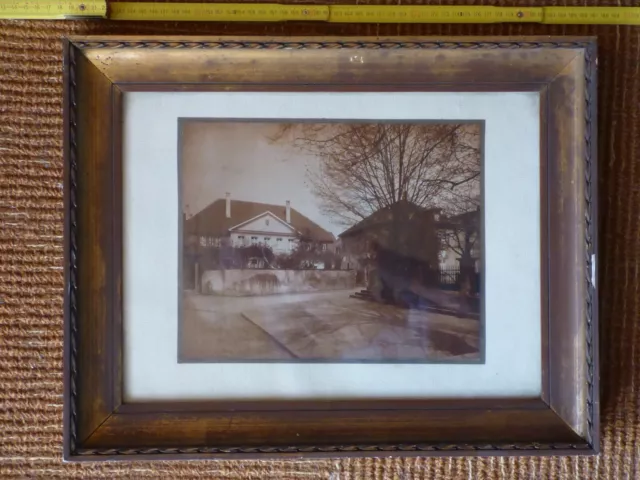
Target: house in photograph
point(235, 247)
point(265, 275)
point(460, 255)
point(237, 223)
point(405, 245)
point(402, 229)
point(460, 238)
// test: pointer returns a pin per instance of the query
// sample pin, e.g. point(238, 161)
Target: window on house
point(267, 239)
point(254, 240)
point(324, 246)
point(266, 222)
point(278, 239)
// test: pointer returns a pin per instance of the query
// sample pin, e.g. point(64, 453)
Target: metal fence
point(449, 279)
point(449, 276)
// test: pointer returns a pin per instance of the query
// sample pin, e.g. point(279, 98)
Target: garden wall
point(266, 282)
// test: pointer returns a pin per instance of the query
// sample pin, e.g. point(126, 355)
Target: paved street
point(319, 326)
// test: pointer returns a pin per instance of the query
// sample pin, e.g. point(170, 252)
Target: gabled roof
point(212, 220)
point(466, 220)
point(262, 215)
point(383, 216)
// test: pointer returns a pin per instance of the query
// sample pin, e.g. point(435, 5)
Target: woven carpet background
point(31, 256)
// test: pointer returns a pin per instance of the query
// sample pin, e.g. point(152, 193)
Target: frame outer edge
point(70, 345)
point(68, 395)
point(70, 250)
point(591, 238)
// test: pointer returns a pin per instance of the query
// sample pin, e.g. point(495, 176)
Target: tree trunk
point(467, 271)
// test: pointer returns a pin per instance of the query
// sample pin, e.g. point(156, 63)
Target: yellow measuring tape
point(52, 9)
point(271, 12)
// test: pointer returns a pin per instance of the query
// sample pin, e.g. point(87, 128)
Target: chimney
point(288, 211)
point(228, 205)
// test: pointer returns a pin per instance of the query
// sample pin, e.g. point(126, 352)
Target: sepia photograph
point(331, 242)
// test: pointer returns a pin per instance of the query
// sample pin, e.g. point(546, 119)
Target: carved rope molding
point(589, 230)
point(311, 45)
point(332, 449)
point(72, 288)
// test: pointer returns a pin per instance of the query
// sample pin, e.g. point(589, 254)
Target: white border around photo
point(511, 247)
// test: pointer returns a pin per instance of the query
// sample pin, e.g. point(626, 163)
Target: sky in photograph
point(252, 161)
point(240, 158)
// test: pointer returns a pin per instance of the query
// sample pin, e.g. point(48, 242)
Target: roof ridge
point(303, 223)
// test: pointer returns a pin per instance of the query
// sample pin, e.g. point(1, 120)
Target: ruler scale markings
point(266, 12)
point(53, 9)
point(599, 15)
point(219, 12)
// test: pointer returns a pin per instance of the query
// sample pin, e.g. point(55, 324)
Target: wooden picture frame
point(98, 425)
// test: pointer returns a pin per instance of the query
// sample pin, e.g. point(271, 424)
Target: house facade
point(399, 240)
point(265, 229)
point(236, 223)
point(413, 242)
point(403, 227)
point(450, 259)
point(460, 241)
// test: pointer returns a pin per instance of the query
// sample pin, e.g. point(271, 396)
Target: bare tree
point(397, 171)
point(461, 235)
point(367, 167)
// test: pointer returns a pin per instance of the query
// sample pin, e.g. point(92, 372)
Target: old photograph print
point(330, 242)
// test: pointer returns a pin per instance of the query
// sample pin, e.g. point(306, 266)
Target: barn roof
point(384, 216)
